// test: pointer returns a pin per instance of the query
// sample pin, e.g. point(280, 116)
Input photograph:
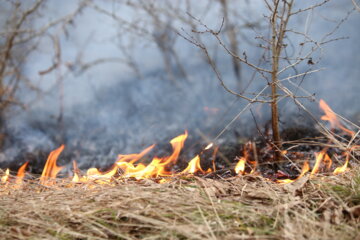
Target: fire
point(304, 170)
point(210, 145)
point(132, 158)
point(321, 157)
point(76, 177)
point(193, 166)
point(332, 118)
point(129, 168)
point(100, 177)
point(51, 169)
point(160, 168)
point(343, 168)
point(5, 178)
point(21, 173)
point(240, 166)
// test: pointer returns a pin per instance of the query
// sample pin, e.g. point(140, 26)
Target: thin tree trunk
point(278, 33)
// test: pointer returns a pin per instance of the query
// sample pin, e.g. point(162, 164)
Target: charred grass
point(245, 207)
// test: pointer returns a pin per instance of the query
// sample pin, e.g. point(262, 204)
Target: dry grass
point(248, 207)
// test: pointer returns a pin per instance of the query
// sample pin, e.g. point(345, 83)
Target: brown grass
point(248, 207)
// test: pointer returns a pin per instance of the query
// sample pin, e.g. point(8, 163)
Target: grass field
point(245, 207)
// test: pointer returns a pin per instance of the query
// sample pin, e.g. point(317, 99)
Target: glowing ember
point(332, 118)
point(51, 170)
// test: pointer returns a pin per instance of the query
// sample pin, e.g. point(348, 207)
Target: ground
point(243, 207)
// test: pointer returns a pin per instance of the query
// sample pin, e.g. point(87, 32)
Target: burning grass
point(243, 207)
point(128, 202)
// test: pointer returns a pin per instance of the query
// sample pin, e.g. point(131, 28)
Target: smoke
point(152, 84)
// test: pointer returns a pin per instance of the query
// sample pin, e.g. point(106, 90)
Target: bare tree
point(20, 37)
point(277, 62)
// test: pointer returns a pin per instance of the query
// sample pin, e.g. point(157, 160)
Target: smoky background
point(111, 77)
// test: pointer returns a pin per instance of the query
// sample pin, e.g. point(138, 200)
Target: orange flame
point(76, 177)
point(332, 118)
point(193, 166)
point(320, 158)
point(327, 161)
point(304, 170)
point(343, 168)
point(158, 166)
point(100, 177)
point(132, 158)
point(240, 166)
point(21, 173)
point(127, 166)
point(51, 170)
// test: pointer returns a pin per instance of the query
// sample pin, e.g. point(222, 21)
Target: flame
point(132, 158)
point(21, 173)
point(94, 174)
point(343, 168)
point(327, 161)
point(157, 167)
point(76, 177)
point(5, 178)
point(321, 157)
point(210, 145)
point(128, 166)
point(177, 144)
point(51, 170)
point(240, 166)
point(332, 118)
point(193, 166)
point(304, 170)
